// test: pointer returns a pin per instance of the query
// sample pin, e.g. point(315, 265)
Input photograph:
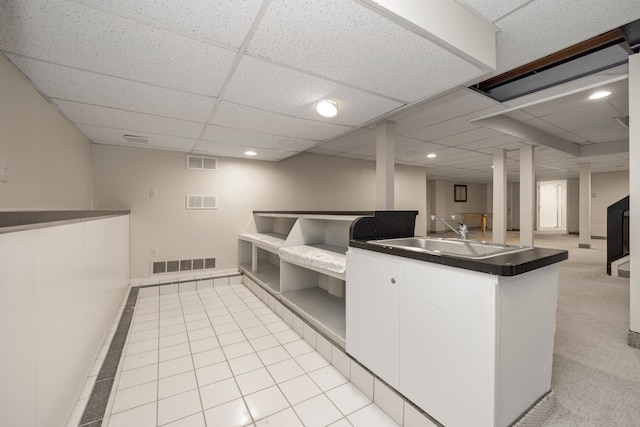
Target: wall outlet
point(153, 193)
point(154, 252)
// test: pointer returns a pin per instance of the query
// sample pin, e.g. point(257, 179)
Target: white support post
point(527, 194)
point(584, 241)
point(499, 197)
point(440, 209)
point(385, 161)
point(634, 197)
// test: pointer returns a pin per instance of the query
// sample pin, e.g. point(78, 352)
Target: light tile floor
point(220, 357)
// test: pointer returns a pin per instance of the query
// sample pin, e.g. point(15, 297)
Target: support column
point(527, 194)
point(584, 240)
point(634, 197)
point(385, 162)
point(440, 208)
point(499, 197)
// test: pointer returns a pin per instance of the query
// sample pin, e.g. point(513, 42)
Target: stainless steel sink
point(471, 249)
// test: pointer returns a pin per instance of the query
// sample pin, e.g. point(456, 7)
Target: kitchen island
point(468, 341)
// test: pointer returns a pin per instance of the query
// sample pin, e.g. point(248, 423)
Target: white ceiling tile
point(443, 130)
point(272, 87)
point(64, 32)
point(110, 117)
point(237, 150)
point(353, 44)
point(532, 32)
point(222, 21)
point(469, 136)
point(489, 143)
point(459, 103)
point(351, 141)
point(572, 137)
point(254, 139)
point(492, 9)
point(545, 126)
point(417, 152)
point(606, 132)
point(621, 103)
point(109, 135)
point(257, 120)
point(90, 88)
point(597, 114)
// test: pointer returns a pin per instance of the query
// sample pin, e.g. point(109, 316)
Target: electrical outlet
point(153, 193)
point(154, 252)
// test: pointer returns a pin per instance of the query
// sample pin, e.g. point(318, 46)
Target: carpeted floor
point(596, 374)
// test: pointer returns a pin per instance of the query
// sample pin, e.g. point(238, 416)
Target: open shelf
point(321, 309)
point(268, 274)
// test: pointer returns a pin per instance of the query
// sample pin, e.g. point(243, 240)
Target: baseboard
point(634, 339)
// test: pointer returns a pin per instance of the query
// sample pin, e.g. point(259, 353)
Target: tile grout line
point(95, 408)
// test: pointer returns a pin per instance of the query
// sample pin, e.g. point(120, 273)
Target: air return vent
point(201, 201)
point(202, 163)
point(159, 267)
point(136, 139)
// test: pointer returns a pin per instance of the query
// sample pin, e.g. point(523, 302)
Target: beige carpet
point(596, 375)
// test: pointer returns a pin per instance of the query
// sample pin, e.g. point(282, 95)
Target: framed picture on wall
point(459, 193)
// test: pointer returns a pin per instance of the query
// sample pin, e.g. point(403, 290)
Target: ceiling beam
point(528, 133)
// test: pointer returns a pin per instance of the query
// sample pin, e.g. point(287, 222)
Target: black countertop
point(501, 265)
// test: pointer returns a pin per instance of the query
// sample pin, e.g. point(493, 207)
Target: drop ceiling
point(222, 77)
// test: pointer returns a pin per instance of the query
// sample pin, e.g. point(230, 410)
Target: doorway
point(552, 206)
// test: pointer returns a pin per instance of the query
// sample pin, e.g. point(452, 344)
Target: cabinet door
point(372, 312)
point(447, 343)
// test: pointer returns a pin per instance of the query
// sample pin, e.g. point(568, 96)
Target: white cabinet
point(447, 343)
point(468, 348)
point(373, 329)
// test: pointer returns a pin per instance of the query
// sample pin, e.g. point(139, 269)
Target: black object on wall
point(617, 231)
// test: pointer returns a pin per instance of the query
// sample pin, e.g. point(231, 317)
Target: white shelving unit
point(259, 245)
point(301, 260)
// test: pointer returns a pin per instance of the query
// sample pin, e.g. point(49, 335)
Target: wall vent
point(159, 267)
point(137, 139)
point(202, 201)
point(202, 163)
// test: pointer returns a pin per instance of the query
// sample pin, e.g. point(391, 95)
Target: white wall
point(124, 177)
point(49, 160)
point(606, 189)
point(60, 288)
point(476, 203)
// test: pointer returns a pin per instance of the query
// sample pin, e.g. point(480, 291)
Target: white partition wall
point(60, 287)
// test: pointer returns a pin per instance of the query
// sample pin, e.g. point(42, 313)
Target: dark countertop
point(501, 265)
point(24, 220)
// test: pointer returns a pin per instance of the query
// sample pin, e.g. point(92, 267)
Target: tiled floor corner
point(215, 354)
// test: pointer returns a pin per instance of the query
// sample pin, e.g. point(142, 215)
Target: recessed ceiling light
point(250, 153)
point(600, 94)
point(327, 108)
point(431, 156)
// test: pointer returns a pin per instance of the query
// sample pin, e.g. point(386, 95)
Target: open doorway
point(552, 206)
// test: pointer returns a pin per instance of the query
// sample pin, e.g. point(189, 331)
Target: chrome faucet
point(462, 230)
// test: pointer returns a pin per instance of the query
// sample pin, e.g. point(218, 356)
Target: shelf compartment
point(321, 309)
point(321, 257)
point(269, 241)
point(267, 276)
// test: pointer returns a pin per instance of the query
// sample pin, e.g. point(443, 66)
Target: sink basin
point(471, 249)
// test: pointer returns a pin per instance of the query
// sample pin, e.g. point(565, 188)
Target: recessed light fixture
point(327, 108)
point(431, 155)
point(600, 94)
point(250, 153)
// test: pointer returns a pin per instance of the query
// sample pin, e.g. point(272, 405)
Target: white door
point(552, 205)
